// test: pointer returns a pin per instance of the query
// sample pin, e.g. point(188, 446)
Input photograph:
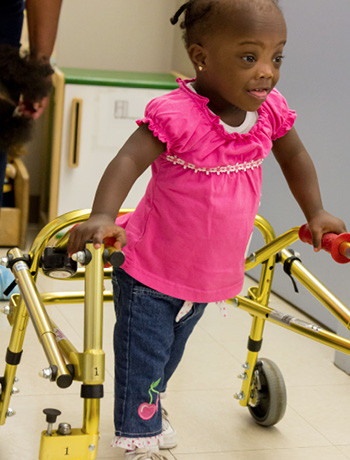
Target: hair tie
point(178, 13)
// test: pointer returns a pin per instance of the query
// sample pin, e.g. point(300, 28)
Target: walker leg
point(13, 357)
point(254, 345)
point(260, 294)
point(81, 444)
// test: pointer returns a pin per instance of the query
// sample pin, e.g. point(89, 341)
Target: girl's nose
point(265, 71)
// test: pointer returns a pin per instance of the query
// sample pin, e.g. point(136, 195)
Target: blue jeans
point(148, 346)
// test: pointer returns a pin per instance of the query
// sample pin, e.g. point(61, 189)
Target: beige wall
point(180, 60)
point(131, 35)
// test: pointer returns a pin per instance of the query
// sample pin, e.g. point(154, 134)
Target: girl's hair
point(199, 18)
point(19, 77)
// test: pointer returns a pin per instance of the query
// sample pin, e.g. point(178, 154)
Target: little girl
point(185, 242)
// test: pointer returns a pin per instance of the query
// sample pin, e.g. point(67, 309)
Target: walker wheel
point(268, 395)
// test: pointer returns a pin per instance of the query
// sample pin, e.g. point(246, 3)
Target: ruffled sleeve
point(174, 119)
point(155, 121)
point(282, 118)
point(158, 120)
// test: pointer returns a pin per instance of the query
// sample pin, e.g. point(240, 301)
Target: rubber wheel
point(269, 396)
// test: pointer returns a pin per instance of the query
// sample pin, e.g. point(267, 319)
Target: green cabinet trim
point(119, 78)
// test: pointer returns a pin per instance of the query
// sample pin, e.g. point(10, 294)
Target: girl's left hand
point(33, 110)
point(322, 223)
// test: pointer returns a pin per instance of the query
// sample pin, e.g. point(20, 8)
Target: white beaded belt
point(216, 169)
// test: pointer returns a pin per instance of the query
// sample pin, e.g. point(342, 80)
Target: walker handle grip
point(108, 241)
point(337, 245)
point(111, 255)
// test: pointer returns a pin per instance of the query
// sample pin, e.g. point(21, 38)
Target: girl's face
point(240, 62)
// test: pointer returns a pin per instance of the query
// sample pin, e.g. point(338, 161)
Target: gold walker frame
point(262, 391)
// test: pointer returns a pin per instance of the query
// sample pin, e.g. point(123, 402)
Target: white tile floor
point(211, 425)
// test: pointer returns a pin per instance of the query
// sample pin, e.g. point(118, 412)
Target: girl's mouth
point(259, 93)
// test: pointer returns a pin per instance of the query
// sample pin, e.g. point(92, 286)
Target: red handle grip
point(109, 241)
point(336, 245)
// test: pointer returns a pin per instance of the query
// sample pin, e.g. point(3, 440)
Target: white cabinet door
point(108, 116)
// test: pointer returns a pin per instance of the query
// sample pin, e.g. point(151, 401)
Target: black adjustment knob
point(117, 258)
point(51, 415)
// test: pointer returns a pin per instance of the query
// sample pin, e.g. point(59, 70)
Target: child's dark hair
point(19, 77)
point(199, 18)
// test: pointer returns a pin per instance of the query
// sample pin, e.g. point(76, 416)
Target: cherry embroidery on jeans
point(147, 410)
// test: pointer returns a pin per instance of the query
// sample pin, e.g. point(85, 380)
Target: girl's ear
point(198, 56)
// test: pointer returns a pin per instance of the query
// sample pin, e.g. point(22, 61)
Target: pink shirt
point(187, 237)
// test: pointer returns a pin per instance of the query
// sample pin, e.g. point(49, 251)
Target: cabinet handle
point(75, 128)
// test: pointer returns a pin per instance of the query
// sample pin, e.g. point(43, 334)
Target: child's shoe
point(144, 454)
point(168, 432)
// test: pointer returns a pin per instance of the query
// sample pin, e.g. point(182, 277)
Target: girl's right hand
point(97, 228)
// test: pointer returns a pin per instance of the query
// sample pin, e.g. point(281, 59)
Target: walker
point(263, 389)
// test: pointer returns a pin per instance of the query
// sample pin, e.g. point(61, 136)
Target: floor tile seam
point(40, 395)
point(317, 447)
point(201, 390)
point(220, 343)
point(338, 450)
point(110, 373)
point(58, 393)
point(250, 450)
point(317, 385)
point(322, 435)
point(231, 353)
point(169, 452)
point(80, 332)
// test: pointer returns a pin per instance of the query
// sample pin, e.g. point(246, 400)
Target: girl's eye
point(250, 59)
point(278, 59)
